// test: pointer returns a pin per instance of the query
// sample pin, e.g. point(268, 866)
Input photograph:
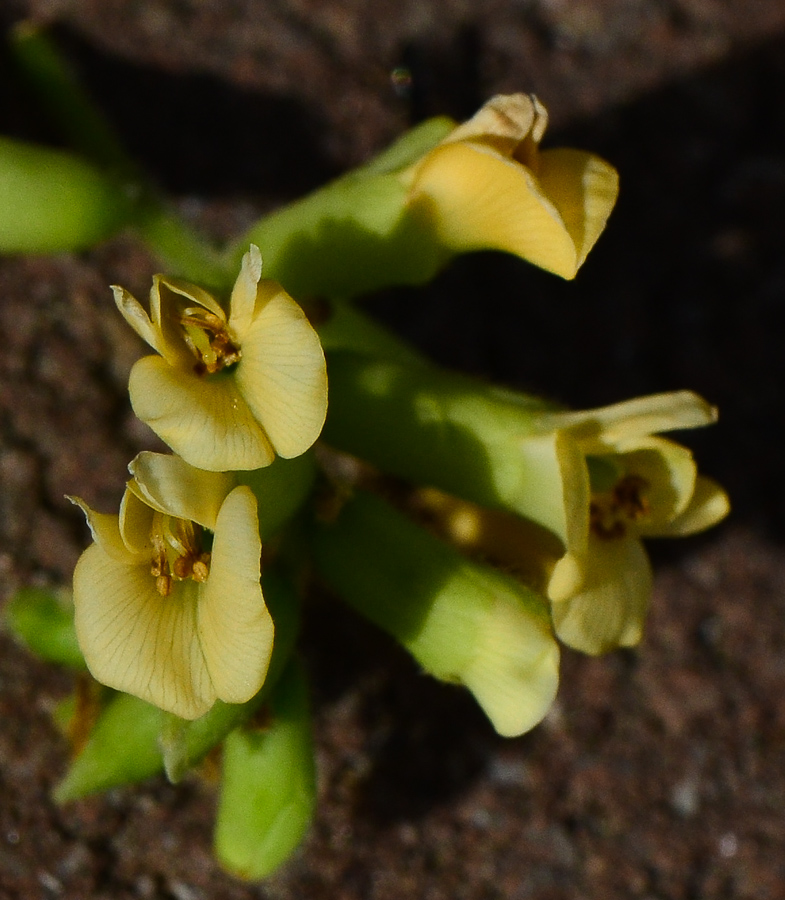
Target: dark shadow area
point(191, 133)
point(686, 289)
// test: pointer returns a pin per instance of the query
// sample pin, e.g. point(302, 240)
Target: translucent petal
point(137, 641)
point(709, 504)
point(282, 376)
point(583, 188)
point(105, 531)
point(601, 430)
point(172, 486)
point(475, 199)
point(611, 607)
point(243, 301)
point(136, 520)
point(205, 420)
point(235, 628)
point(136, 316)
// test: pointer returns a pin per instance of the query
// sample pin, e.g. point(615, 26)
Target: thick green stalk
point(462, 621)
point(268, 787)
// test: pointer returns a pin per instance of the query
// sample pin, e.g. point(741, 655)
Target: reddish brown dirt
point(659, 774)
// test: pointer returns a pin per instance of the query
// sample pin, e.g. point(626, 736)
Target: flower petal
point(602, 430)
point(476, 199)
point(136, 316)
point(670, 472)
point(282, 374)
point(709, 504)
point(235, 628)
point(135, 520)
point(204, 420)
point(170, 485)
point(503, 123)
point(105, 531)
point(611, 607)
point(137, 641)
point(243, 300)
point(583, 188)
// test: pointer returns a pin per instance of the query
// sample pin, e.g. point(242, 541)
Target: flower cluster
point(515, 525)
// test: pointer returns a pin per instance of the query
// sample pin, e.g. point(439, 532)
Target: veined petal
point(610, 608)
point(476, 199)
point(669, 472)
point(243, 300)
point(235, 628)
point(602, 430)
point(204, 420)
point(282, 376)
point(137, 641)
point(583, 188)
point(172, 486)
point(708, 506)
point(105, 531)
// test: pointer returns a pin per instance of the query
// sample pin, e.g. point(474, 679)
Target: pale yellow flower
point(162, 612)
point(487, 185)
point(600, 480)
point(228, 393)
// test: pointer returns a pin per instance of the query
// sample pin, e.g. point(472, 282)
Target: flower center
point(612, 512)
point(177, 552)
point(208, 338)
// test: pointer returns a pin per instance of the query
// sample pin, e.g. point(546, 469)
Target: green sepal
point(43, 618)
point(122, 748)
point(128, 742)
point(51, 201)
point(462, 621)
point(268, 785)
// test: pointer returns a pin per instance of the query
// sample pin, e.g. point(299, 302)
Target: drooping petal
point(105, 531)
point(583, 188)
point(282, 375)
point(136, 640)
point(204, 420)
point(243, 300)
point(610, 608)
point(476, 199)
point(708, 506)
point(235, 627)
point(602, 430)
point(172, 486)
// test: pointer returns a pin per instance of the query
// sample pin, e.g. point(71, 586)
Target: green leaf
point(44, 619)
point(52, 201)
point(268, 788)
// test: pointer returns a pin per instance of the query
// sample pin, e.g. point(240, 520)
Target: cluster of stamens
point(611, 513)
point(177, 553)
point(208, 338)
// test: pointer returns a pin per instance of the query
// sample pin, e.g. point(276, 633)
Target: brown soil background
point(659, 774)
